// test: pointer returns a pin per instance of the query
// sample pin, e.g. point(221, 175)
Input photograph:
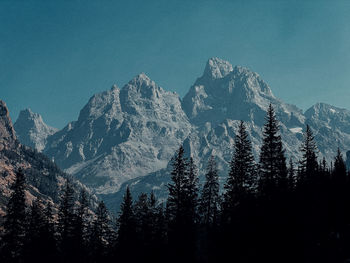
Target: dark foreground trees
point(14, 236)
point(266, 212)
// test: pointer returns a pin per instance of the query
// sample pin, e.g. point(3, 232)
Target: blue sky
point(54, 55)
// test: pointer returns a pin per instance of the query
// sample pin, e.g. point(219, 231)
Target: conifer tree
point(35, 237)
point(49, 248)
point(81, 223)
point(191, 194)
point(308, 163)
point(272, 161)
point(210, 198)
point(242, 170)
point(152, 219)
point(177, 189)
point(126, 226)
point(15, 222)
point(66, 222)
point(339, 174)
point(100, 233)
point(339, 192)
point(142, 219)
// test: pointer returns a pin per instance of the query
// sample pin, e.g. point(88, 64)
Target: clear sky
point(54, 55)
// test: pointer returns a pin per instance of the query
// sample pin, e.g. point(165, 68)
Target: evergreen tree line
point(270, 210)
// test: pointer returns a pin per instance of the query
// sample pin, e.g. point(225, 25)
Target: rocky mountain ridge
point(127, 136)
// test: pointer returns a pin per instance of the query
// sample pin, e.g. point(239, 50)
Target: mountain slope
point(44, 179)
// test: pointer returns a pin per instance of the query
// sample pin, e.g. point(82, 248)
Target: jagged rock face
point(121, 134)
point(31, 130)
point(226, 92)
point(44, 179)
point(7, 132)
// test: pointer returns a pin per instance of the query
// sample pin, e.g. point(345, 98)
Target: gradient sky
point(54, 55)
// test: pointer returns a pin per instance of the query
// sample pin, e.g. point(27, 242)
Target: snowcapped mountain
point(221, 97)
point(127, 136)
point(121, 134)
point(31, 130)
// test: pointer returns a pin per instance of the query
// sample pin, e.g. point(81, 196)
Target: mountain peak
point(32, 130)
point(217, 68)
point(28, 114)
point(142, 80)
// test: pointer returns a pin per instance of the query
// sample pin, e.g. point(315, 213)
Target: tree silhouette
point(15, 222)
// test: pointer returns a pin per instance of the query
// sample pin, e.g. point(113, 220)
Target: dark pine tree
point(177, 207)
point(38, 238)
point(272, 161)
point(273, 186)
point(191, 195)
point(308, 168)
point(339, 213)
point(241, 176)
point(81, 224)
point(237, 208)
point(66, 224)
point(49, 245)
point(15, 222)
point(190, 208)
point(126, 229)
point(209, 212)
point(159, 243)
point(143, 223)
point(177, 189)
point(99, 235)
point(210, 198)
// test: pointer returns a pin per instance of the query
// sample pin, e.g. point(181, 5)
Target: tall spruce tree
point(81, 225)
point(142, 218)
point(242, 171)
point(210, 198)
point(15, 222)
point(191, 193)
point(126, 227)
point(35, 238)
point(272, 162)
point(49, 248)
point(66, 223)
point(339, 174)
point(177, 189)
point(100, 234)
point(308, 167)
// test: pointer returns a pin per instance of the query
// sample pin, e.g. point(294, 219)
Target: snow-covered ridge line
point(132, 132)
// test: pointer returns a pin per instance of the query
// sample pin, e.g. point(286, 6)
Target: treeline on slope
point(269, 211)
